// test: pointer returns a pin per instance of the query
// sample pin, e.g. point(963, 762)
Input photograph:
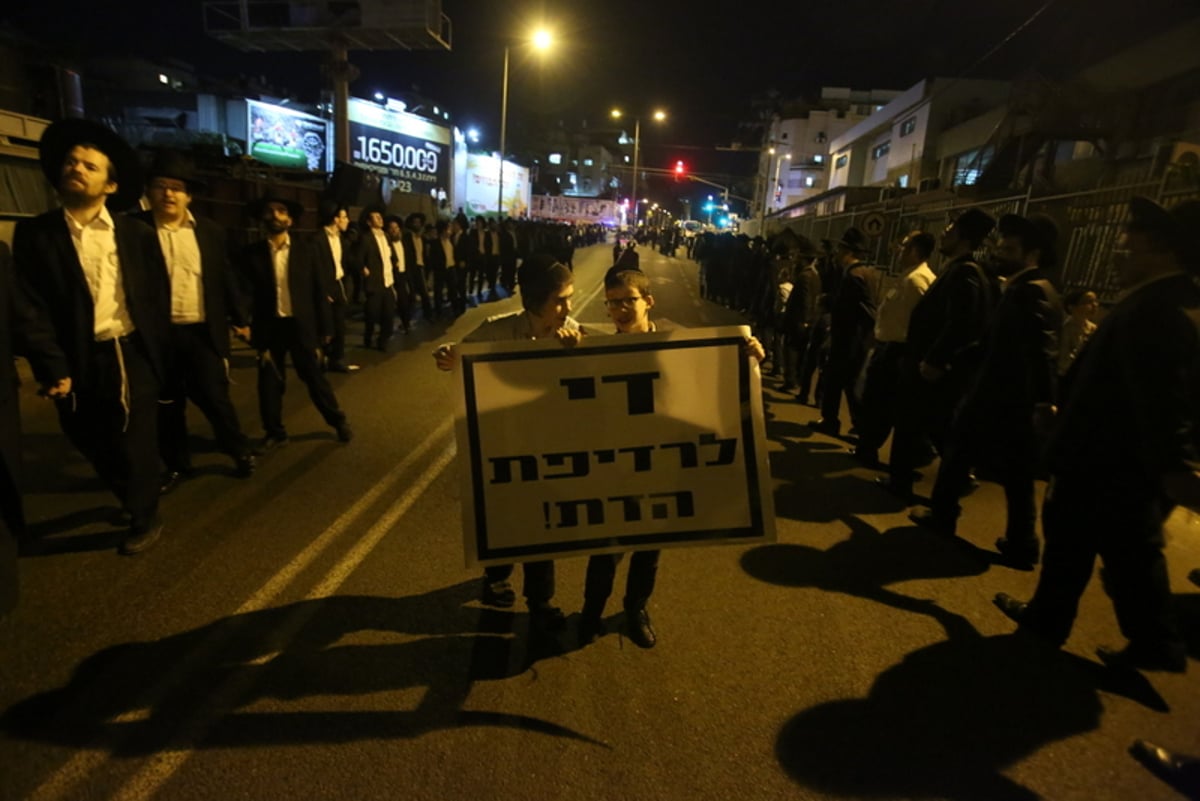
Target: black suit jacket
point(1019, 358)
point(328, 269)
point(1131, 399)
point(223, 302)
point(852, 312)
point(310, 305)
point(368, 256)
point(947, 324)
point(46, 260)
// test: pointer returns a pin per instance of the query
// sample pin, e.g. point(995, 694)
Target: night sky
point(705, 68)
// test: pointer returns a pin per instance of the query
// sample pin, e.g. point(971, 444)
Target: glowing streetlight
point(542, 40)
point(659, 115)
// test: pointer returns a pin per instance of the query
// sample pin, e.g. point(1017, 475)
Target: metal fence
point(1089, 224)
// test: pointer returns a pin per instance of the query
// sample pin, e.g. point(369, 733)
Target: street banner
point(626, 442)
point(575, 209)
point(483, 187)
point(410, 153)
point(285, 137)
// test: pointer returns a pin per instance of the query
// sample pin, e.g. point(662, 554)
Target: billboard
point(284, 137)
point(483, 189)
point(630, 442)
point(411, 154)
point(575, 209)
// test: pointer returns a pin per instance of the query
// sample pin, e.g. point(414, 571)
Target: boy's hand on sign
point(752, 347)
point(446, 357)
point(568, 338)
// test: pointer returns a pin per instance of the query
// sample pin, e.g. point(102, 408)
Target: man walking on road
point(102, 279)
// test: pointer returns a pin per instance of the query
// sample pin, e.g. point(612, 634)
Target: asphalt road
point(311, 633)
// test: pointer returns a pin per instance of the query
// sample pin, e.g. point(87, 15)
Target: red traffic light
point(679, 170)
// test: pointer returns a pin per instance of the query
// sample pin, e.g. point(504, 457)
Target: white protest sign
point(626, 442)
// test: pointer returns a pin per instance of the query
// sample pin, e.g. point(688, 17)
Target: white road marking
point(62, 784)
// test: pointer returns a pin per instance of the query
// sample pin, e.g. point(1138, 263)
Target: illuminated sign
point(284, 137)
point(414, 154)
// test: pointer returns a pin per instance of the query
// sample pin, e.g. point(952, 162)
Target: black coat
point(1131, 399)
point(367, 255)
point(326, 268)
point(310, 305)
point(852, 312)
point(46, 260)
point(223, 300)
point(947, 324)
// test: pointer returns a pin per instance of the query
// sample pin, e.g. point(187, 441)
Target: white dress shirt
point(335, 246)
point(283, 292)
point(184, 266)
point(96, 245)
point(385, 255)
point(448, 249)
point(891, 319)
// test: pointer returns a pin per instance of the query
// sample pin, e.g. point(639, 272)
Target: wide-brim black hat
point(974, 224)
point(173, 164)
point(1179, 226)
point(58, 139)
point(854, 240)
point(256, 207)
point(1036, 231)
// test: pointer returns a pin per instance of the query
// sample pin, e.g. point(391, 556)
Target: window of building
point(587, 162)
point(554, 158)
point(970, 165)
point(908, 126)
point(881, 150)
point(818, 159)
point(902, 181)
point(842, 161)
point(809, 181)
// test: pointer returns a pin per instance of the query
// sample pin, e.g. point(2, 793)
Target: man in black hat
point(375, 259)
point(941, 354)
point(995, 424)
point(102, 279)
point(851, 320)
point(290, 315)
point(1126, 446)
point(204, 301)
point(413, 244)
point(331, 257)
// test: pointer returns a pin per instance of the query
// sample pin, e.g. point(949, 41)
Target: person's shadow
point(815, 483)
point(196, 689)
point(866, 563)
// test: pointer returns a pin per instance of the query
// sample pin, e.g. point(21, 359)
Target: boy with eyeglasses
point(628, 298)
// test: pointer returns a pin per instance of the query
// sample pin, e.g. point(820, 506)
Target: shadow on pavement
point(228, 683)
point(948, 719)
point(807, 492)
point(1187, 613)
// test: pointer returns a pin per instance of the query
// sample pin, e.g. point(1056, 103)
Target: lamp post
point(659, 116)
point(541, 41)
point(778, 164)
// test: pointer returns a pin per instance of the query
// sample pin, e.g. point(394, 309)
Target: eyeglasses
point(623, 303)
point(177, 189)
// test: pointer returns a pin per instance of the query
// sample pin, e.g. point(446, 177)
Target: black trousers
point(879, 395)
point(508, 274)
point(120, 441)
point(602, 571)
point(923, 417)
point(9, 573)
point(415, 278)
point(538, 588)
point(379, 311)
point(283, 340)
point(335, 349)
point(456, 283)
point(198, 373)
point(814, 352)
point(841, 371)
point(1089, 516)
point(1009, 451)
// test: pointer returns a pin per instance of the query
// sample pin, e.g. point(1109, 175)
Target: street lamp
point(762, 210)
point(659, 116)
point(778, 164)
point(541, 41)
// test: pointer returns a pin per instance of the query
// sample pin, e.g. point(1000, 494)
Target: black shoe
point(1194, 577)
point(591, 628)
point(823, 426)
point(171, 480)
point(344, 432)
point(342, 367)
point(904, 493)
point(868, 457)
point(499, 594)
point(637, 625)
point(546, 619)
point(243, 466)
point(1013, 609)
point(971, 485)
point(138, 541)
point(1017, 555)
point(1181, 772)
point(938, 524)
point(1165, 657)
point(273, 442)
